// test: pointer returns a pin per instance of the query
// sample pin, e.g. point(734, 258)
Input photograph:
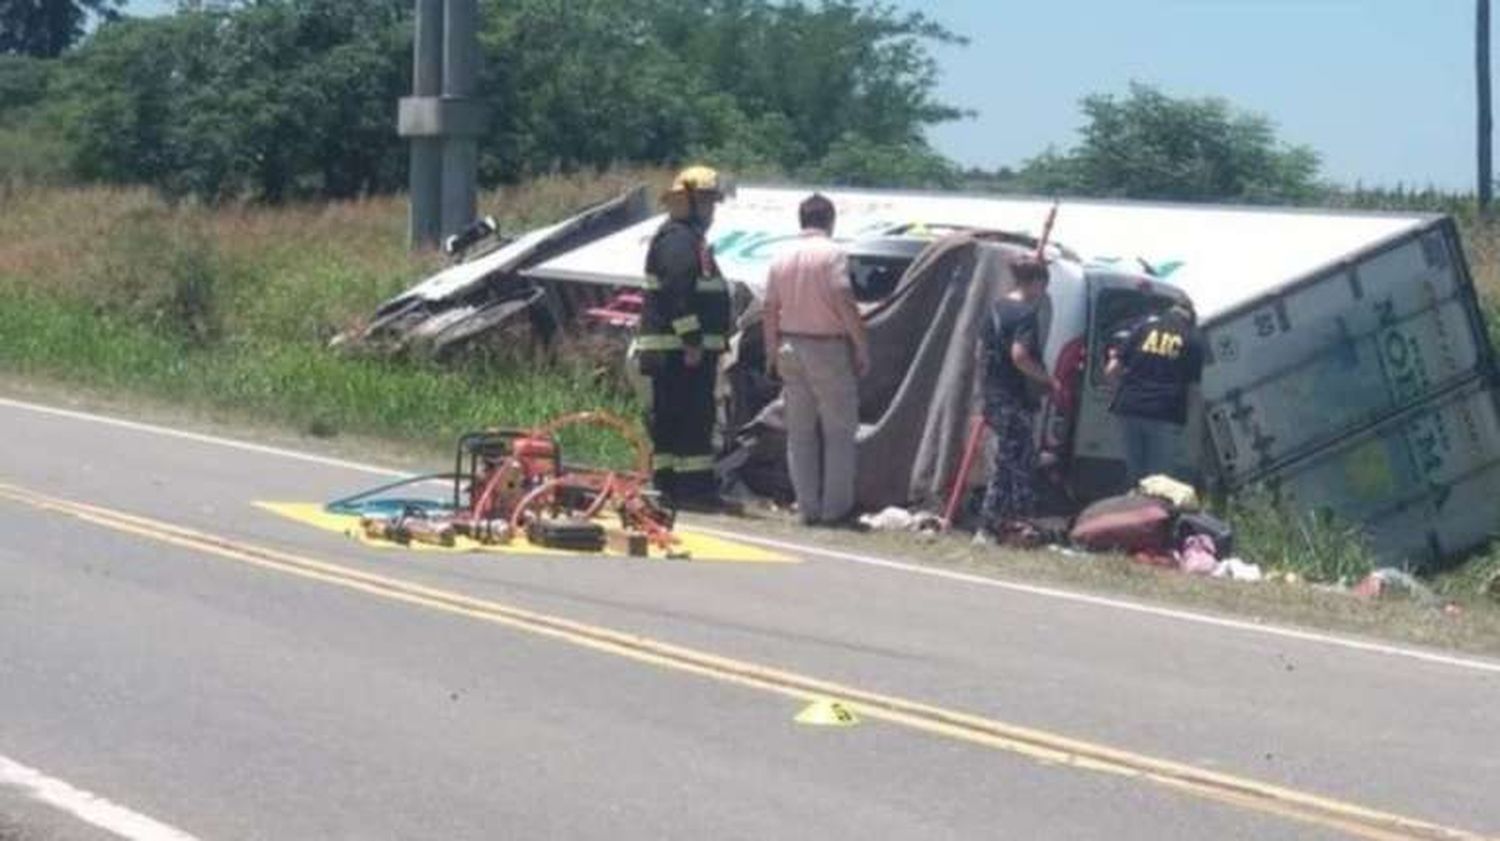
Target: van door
point(1098, 456)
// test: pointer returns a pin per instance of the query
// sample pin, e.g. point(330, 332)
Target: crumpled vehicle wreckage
point(1349, 368)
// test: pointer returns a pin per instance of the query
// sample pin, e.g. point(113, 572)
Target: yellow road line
point(1049, 748)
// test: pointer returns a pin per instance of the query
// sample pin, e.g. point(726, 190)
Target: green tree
point(46, 28)
point(282, 98)
point(23, 81)
point(31, 146)
point(856, 161)
point(279, 99)
point(1148, 145)
point(752, 84)
point(827, 71)
point(575, 84)
point(120, 91)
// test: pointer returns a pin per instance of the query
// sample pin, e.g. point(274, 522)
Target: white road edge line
point(1283, 632)
point(85, 806)
point(1124, 605)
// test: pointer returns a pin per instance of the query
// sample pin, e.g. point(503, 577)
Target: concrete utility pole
point(443, 119)
point(1485, 121)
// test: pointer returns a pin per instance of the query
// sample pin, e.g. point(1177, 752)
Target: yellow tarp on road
point(699, 547)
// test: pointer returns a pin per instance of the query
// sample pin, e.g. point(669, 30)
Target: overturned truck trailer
point(1348, 369)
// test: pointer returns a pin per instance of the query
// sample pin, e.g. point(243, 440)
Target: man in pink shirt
point(815, 341)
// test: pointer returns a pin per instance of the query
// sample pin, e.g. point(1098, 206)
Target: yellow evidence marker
point(699, 547)
point(826, 712)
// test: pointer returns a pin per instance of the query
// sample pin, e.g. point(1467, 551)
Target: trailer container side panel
point(1336, 355)
point(1424, 484)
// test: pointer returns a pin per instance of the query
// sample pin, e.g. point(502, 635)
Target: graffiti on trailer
point(1429, 440)
point(1401, 357)
point(759, 246)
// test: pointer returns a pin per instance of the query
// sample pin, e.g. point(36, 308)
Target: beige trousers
point(822, 417)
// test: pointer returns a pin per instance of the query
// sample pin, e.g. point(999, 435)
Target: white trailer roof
point(1221, 255)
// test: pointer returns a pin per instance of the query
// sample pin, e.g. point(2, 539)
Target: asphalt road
point(225, 692)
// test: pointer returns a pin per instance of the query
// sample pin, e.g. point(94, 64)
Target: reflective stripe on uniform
point(652, 283)
point(664, 461)
point(694, 464)
point(686, 324)
point(664, 341)
point(658, 341)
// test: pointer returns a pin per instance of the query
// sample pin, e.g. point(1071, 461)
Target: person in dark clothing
point(1156, 364)
point(1013, 377)
point(684, 327)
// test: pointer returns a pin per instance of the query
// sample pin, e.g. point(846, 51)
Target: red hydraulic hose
point(961, 482)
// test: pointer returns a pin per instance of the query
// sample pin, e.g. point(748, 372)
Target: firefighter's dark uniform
point(687, 305)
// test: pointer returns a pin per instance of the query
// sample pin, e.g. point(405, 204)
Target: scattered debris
point(1191, 523)
point(622, 312)
point(1154, 559)
point(895, 518)
point(1238, 570)
point(1181, 496)
point(1390, 581)
point(1198, 555)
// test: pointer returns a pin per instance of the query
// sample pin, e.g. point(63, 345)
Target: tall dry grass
point(296, 272)
point(232, 306)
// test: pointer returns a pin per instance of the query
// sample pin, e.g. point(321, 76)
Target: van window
point(1115, 310)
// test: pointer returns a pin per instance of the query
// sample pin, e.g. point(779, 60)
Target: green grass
point(1475, 627)
point(1476, 579)
point(233, 308)
point(300, 385)
point(1312, 544)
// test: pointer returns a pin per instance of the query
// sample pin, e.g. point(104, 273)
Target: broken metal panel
point(471, 297)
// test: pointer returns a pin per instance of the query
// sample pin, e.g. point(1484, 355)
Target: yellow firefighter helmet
point(700, 180)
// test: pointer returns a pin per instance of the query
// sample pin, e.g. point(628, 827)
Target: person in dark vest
point(1156, 365)
point(1013, 376)
point(683, 329)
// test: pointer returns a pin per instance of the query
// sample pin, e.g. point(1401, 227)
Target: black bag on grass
point(1197, 522)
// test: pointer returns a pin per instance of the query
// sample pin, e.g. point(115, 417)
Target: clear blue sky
point(1383, 89)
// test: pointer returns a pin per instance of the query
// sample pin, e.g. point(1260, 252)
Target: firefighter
point(684, 327)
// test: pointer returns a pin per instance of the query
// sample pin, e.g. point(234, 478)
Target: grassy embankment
point(231, 310)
